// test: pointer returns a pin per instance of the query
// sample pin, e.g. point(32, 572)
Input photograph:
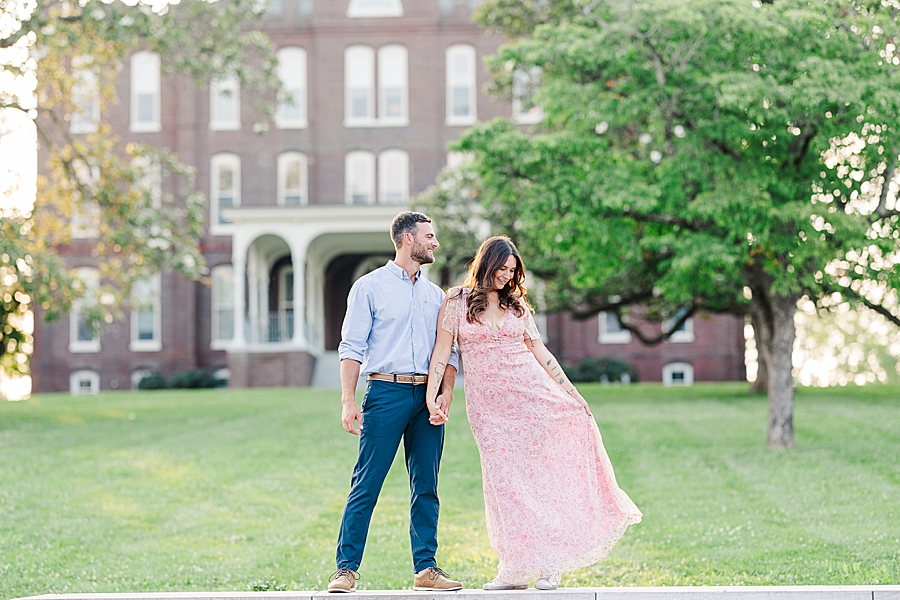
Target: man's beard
point(419, 253)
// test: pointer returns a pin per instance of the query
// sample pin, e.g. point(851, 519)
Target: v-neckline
point(502, 322)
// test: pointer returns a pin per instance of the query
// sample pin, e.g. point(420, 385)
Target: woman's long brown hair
point(491, 256)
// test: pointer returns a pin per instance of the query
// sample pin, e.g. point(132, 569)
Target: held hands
point(439, 410)
point(350, 416)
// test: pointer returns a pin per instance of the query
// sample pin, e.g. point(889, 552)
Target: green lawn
point(216, 490)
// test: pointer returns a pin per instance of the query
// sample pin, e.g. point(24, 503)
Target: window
point(83, 329)
point(375, 8)
point(225, 104)
point(225, 188)
point(148, 179)
point(685, 333)
point(359, 177)
point(292, 173)
point(290, 7)
point(291, 111)
point(392, 83)
point(393, 177)
point(85, 100)
point(461, 85)
point(525, 83)
point(145, 92)
point(222, 306)
point(611, 332)
point(85, 223)
point(359, 85)
point(84, 383)
point(146, 315)
point(137, 375)
point(678, 373)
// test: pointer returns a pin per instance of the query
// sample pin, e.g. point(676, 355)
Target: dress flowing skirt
point(551, 498)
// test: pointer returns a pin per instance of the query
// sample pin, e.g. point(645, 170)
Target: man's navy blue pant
point(392, 411)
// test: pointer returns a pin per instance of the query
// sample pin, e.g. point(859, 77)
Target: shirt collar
point(401, 272)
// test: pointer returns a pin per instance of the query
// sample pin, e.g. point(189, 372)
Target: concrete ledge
point(812, 592)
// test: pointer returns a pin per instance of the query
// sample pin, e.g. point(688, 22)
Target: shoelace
point(343, 572)
point(435, 572)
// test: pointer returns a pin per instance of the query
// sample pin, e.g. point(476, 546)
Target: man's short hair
point(406, 222)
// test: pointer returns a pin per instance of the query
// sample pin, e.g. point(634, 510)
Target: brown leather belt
point(413, 379)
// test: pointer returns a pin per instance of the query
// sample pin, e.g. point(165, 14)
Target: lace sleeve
point(531, 330)
point(451, 312)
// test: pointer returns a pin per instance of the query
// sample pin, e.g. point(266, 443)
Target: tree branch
point(867, 303)
point(882, 211)
point(664, 335)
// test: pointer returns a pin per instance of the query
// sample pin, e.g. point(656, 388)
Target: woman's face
point(505, 273)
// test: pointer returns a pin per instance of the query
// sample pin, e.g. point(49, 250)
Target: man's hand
point(441, 414)
point(350, 416)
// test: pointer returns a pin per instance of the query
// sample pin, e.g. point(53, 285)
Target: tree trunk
point(762, 372)
point(774, 314)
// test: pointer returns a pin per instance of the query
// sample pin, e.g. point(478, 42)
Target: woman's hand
point(580, 399)
point(437, 410)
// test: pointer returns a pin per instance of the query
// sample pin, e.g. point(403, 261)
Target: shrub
point(194, 379)
point(602, 369)
point(154, 381)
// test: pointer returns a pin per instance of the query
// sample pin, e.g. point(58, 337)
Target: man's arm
point(350, 414)
point(446, 396)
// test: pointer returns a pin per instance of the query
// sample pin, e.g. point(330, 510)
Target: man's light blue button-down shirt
point(391, 322)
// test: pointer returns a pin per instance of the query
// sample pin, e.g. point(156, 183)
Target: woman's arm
point(439, 357)
point(552, 366)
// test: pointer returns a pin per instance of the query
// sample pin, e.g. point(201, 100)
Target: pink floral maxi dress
point(550, 494)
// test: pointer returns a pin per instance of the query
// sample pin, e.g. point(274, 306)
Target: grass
point(224, 489)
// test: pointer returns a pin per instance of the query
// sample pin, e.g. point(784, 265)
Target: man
point(388, 334)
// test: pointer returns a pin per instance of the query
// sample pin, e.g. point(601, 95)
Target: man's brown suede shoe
point(433, 579)
point(343, 580)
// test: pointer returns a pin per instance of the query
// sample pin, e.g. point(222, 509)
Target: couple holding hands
point(551, 499)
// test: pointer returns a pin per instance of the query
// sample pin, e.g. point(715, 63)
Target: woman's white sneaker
point(497, 585)
point(547, 582)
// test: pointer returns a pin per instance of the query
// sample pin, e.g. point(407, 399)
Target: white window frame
point(292, 71)
point(217, 163)
point(222, 278)
point(76, 377)
point(393, 73)
point(85, 116)
point(682, 336)
point(139, 302)
point(526, 78)
point(224, 86)
point(605, 336)
point(284, 161)
point(90, 277)
point(85, 221)
point(467, 53)
point(359, 74)
point(358, 9)
point(678, 367)
point(385, 159)
point(146, 80)
point(367, 159)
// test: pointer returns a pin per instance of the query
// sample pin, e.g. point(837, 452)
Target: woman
point(551, 500)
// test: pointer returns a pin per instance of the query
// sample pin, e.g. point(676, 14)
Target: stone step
point(812, 592)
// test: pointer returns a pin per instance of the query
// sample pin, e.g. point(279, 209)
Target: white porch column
point(239, 265)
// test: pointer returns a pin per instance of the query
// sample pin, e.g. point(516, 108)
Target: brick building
point(376, 91)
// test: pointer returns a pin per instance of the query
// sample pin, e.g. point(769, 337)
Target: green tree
point(726, 156)
point(59, 62)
